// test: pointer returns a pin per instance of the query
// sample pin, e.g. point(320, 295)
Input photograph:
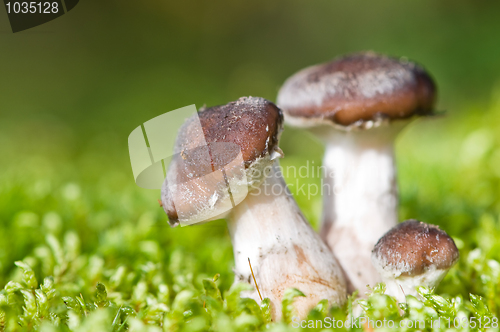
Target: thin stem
point(255, 281)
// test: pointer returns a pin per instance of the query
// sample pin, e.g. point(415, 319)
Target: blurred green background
point(74, 88)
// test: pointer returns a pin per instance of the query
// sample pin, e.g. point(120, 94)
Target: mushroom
point(357, 104)
point(266, 226)
point(413, 254)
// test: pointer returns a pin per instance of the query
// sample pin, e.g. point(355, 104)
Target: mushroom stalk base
point(402, 286)
point(360, 201)
point(284, 250)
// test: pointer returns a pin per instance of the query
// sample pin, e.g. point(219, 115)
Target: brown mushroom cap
point(413, 247)
point(253, 123)
point(357, 88)
point(250, 125)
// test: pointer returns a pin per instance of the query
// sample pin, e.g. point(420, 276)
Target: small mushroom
point(413, 254)
point(267, 226)
point(357, 104)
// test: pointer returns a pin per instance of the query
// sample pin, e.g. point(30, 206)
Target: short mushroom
point(267, 227)
point(357, 104)
point(413, 254)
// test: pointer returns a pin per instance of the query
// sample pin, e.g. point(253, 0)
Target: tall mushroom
point(357, 104)
point(267, 227)
point(413, 254)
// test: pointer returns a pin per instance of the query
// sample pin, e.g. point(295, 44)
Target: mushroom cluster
point(227, 165)
point(356, 105)
point(267, 227)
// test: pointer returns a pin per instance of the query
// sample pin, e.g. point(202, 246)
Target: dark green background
point(111, 64)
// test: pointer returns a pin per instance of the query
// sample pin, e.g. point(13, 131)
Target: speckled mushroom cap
point(250, 126)
point(355, 89)
point(253, 123)
point(413, 247)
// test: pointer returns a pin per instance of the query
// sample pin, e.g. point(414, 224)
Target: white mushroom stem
point(284, 250)
point(360, 198)
point(402, 286)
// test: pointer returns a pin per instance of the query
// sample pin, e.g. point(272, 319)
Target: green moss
point(84, 249)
